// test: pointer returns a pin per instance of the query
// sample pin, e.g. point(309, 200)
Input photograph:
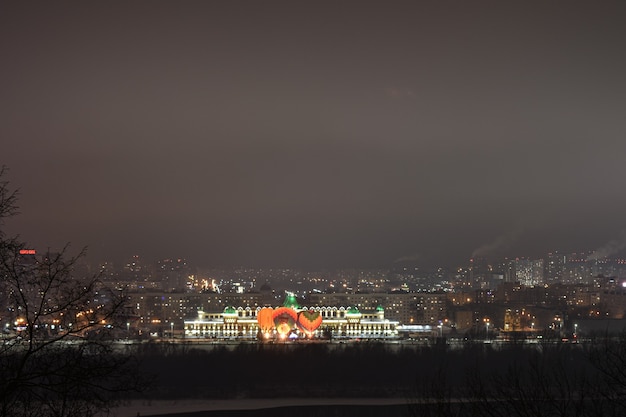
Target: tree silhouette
point(53, 358)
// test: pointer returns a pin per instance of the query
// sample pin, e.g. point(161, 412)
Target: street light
point(575, 329)
point(172, 329)
point(487, 323)
point(127, 330)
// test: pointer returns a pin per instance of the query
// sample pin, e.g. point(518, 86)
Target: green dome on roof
point(290, 301)
point(230, 310)
point(380, 308)
point(353, 310)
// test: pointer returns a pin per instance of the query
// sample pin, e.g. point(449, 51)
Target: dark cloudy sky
point(331, 133)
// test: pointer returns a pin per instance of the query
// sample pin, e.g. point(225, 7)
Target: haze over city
point(316, 134)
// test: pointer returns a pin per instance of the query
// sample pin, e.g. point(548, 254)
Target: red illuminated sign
point(28, 252)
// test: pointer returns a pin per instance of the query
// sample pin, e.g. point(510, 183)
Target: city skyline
point(325, 135)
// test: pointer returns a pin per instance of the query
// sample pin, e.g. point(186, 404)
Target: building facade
point(293, 322)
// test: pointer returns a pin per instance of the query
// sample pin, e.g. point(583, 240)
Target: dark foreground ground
point(374, 379)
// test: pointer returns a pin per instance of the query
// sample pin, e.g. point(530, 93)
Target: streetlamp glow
point(487, 323)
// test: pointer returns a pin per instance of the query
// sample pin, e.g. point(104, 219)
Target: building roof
point(290, 301)
point(353, 310)
point(230, 310)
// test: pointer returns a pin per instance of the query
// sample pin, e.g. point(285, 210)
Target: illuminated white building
point(336, 323)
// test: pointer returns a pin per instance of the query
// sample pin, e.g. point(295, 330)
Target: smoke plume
point(500, 244)
point(611, 248)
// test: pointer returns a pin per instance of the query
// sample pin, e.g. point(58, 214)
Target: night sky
point(315, 134)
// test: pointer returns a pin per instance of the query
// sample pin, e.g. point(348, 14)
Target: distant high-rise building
point(553, 267)
point(480, 272)
point(577, 270)
point(529, 272)
point(173, 273)
point(505, 268)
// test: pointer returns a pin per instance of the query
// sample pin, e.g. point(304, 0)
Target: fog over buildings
point(316, 135)
point(365, 196)
point(321, 149)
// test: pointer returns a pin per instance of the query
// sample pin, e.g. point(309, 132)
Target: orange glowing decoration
point(309, 321)
point(284, 320)
point(265, 318)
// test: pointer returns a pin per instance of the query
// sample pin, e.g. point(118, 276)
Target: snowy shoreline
point(161, 407)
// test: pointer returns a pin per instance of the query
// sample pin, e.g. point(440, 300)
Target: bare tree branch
point(50, 365)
